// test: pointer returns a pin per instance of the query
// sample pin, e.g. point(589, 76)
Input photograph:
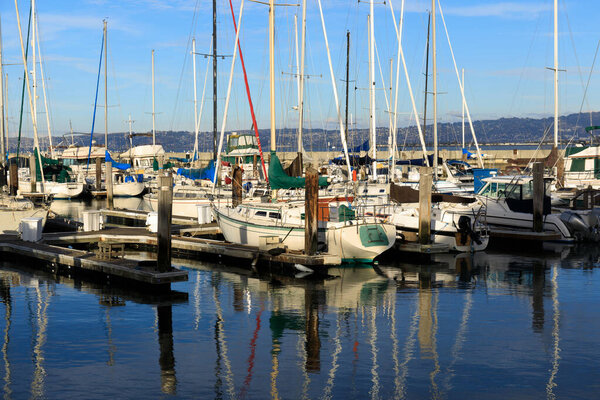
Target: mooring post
point(32, 172)
point(538, 197)
point(236, 186)
point(425, 183)
point(165, 211)
point(98, 174)
point(14, 177)
point(311, 211)
point(108, 179)
point(254, 166)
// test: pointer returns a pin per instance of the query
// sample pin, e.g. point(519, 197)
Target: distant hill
point(498, 131)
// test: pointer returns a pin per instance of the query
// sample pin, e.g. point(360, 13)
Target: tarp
point(362, 147)
point(355, 160)
point(207, 172)
point(117, 165)
point(51, 168)
point(419, 162)
point(278, 179)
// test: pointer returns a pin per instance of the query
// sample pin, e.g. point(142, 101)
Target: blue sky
point(504, 47)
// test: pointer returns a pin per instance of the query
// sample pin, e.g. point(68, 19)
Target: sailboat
point(353, 239)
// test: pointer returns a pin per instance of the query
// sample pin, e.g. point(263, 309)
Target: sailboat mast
point(463, 109)
point(105, 31)
point(435, 126)
point(347, 79)
point(426, 78)
point(555, 73)
point(372, 89)
point(214, 54)
point(195, 101)
point(153, 104)
point(301, 102)
point(3, 146)
point(272, 71)
point(33, 60)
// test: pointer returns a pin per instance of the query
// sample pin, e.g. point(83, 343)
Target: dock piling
point(311, 211)
point(14, 178)
point(98, 174)
point(32, 172)
point(236, 186)
point(425, 183)
point(109, 185)
point(165, 211)
point(538, 197)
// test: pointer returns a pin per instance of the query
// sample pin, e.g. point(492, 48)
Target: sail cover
point(207, 172)
point(117, 165)
point(278, 179)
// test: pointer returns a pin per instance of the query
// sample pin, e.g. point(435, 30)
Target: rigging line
point(187, 47)
point(586, 89)
point(95, 104)
point(23, 89)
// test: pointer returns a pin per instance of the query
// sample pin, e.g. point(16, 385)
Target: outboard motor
point(464, 227)
point(577, 226)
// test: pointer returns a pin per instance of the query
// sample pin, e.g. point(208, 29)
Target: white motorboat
point(354, 240)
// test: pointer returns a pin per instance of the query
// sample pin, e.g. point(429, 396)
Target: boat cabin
point(517, 187)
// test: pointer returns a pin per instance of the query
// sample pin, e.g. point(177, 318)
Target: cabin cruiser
point(353, 239)
point(509, 206)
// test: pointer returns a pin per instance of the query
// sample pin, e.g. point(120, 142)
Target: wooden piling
point(14, 178)
point(538, 197)
point(255, 166)
point(236, 186)
point(109, 185)
point(32, 172)
point(165, 213)
point(425, 183)
point(98, 174)
point(311, 211)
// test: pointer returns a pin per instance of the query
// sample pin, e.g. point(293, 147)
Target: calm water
point(489, 326)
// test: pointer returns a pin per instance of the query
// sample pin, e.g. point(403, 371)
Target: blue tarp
point(362, 147)
point(199, 173)
point(121, 166)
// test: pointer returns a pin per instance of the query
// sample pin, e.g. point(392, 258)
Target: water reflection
point(404, 329)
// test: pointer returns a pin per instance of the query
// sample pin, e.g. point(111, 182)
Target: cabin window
point(275, 215)
point(513, 191)
point(527, 190)
point(578, 165)
point(260, 214)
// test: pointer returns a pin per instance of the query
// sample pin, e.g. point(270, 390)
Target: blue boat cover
point(207, 172)
point(121, 166)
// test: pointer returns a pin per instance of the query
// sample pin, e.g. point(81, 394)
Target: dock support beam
point(98, 174)
point(165, 213)
point(32, 172)
point(425, 183)
point(14, 178)
point(538, 197)
point(236, 186)
point(109, 185)
point(311, 211)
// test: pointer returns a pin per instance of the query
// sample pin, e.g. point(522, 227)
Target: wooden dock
point(529, 236)
point(190, 245)
point(117, 217)
point(415, 247)
point(141, 272)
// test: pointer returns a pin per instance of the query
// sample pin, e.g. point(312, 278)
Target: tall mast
point(130, 122)
point(195, 102)
point(372, 88)
point(434, 56)
point(272, 70)
point(71, 129)
point(347, 78)
point(153, 111)
point(463, 109)
point(34, 63)
point(3, 146)
point(555, 73)
point(44, 92)
point(214, 79)
point(301, 103)
point(426, 79)
point(105, 86)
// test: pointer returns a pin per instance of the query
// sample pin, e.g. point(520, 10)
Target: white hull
point(128, 189)
point(10, 219)
point(360, 242)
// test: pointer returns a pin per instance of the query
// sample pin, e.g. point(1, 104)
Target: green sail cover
point(51, 168)
point(278, 179)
